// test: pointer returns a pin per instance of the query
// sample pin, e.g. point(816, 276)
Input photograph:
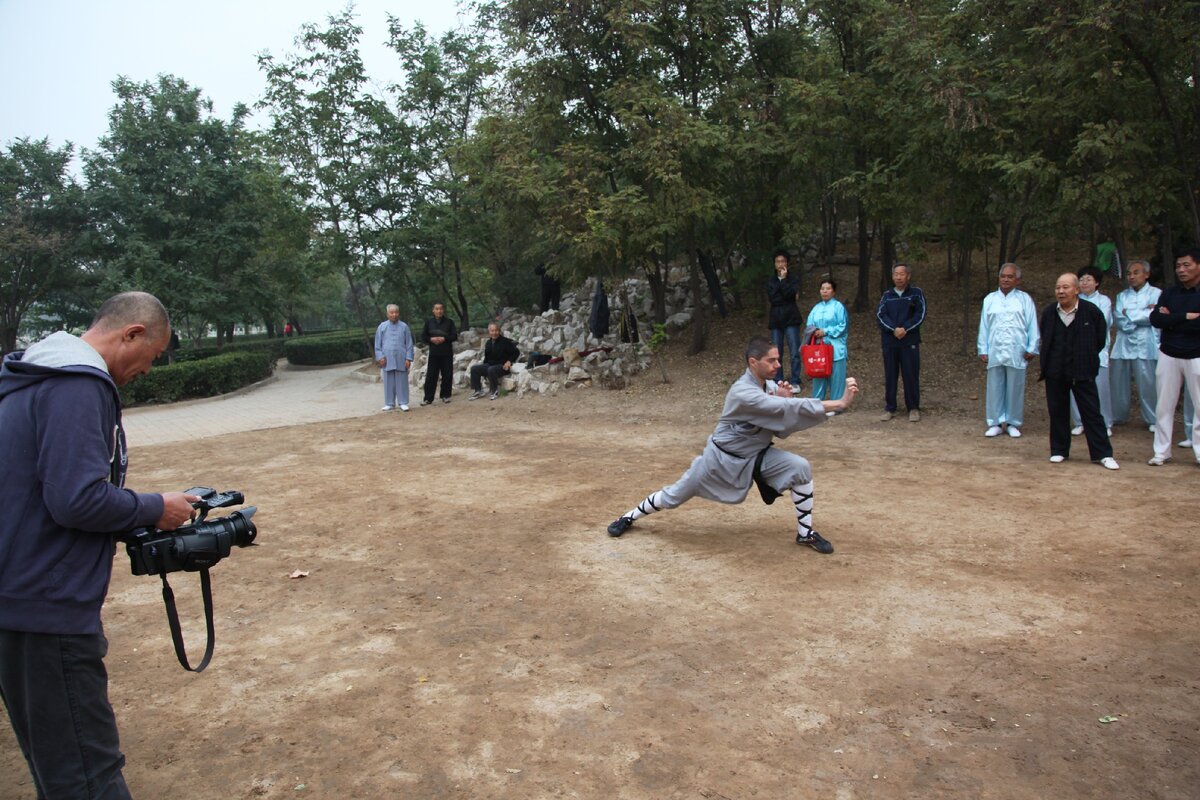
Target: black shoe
point(621, 525)
point(426, 402)
point(814, 540)
point(445, 400)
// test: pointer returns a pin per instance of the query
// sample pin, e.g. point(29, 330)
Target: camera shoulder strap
point(177, 632)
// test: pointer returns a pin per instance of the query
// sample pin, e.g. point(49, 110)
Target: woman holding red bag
point(832, 323)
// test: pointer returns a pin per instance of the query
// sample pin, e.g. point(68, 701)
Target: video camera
point(192, 548)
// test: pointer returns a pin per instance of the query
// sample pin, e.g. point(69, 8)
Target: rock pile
point(580, 359)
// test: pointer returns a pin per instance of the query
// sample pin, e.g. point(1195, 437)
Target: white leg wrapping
point(802, 499)
point(652, 503)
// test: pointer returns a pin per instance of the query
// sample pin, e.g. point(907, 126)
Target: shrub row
point(330, 348)
point(206, 378)
point(273, 347)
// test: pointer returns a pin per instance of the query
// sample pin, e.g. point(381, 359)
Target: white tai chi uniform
point(1008, 329)
point(1134, 353)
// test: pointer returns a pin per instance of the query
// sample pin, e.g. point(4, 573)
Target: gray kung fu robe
point(752, 417)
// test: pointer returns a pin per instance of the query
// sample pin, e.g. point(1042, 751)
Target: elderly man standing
point(899, 316)
point(394, 355)
point(1008, 339)
point(1135, 349)
point(1074, 333)
point(1178, 317)
point(440, 334)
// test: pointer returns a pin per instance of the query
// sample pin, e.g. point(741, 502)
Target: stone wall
point(564, 334)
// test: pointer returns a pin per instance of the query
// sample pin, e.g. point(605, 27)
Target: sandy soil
point(467, 629)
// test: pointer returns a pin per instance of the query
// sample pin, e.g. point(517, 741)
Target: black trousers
point(443, 366)
point(55, 687)
point(905, 361)
point(494, 373)
point(1058, 404)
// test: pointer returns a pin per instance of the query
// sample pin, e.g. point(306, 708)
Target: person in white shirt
point(1008, 339)
point(1135, 348)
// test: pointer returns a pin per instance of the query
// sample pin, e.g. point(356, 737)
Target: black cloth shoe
point(426, 402)
point(814, 540)
point(621, 525)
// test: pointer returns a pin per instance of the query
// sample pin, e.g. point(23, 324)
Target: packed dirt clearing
point(467, 630)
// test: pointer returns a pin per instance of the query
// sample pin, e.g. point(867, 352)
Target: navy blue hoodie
point(62, 469)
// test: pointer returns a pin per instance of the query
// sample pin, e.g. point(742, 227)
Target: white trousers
point(1005, 402)
point(1170, 376)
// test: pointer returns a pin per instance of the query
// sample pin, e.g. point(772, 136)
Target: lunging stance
point(757, 409)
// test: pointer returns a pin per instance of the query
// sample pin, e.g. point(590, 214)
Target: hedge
point(206, 378)
point(331, 348)
point(273, 347)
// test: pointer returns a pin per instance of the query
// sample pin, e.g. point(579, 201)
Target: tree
point(169, 187)
point(42, 222)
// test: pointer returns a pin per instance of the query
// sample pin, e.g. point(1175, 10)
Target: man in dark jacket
point(784, 318)
point(900, 314)
point(62, 472)
point(440, 334)
point(1073, 334)
point(499, 354)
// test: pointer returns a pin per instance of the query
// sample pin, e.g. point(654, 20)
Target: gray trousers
point(781, 470)
point(55, 687)
point(1124, 371)
point(395, 387)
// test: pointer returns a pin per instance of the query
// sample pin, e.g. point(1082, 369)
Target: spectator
point(829, 320)
point(1135, 349)
point(900, 314)
point(499, 354)
point(1008, 340)
point(1178, 317)
point(394, 355)
point(440, 334)
point(784, 318)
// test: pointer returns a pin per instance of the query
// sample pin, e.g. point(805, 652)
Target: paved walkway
point(295, 396)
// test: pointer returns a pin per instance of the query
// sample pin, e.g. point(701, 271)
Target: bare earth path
point(467, 630)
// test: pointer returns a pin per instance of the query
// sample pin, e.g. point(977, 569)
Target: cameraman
point(62, 468)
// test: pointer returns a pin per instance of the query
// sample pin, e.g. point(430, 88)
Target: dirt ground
point(467, 629)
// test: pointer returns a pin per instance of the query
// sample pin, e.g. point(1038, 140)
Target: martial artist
point(757, 409)
point(394, 355)
point(1008, 340)
point(1135, 348)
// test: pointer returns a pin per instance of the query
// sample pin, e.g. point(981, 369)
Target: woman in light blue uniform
point(831, 321)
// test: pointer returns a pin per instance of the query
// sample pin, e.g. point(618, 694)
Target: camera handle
point(177, 632)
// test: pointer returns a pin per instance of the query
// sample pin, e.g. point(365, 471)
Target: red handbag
point(817, 357)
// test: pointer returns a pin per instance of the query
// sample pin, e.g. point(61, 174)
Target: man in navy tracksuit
point(62, 470)
point(900, 314)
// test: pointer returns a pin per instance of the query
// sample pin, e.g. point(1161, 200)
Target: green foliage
point(333, 348)
point(270, 347)
point(202, 378)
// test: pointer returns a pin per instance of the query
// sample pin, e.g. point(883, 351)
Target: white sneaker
point(403, 407)
point(386, 408)
point(1014, 432)
point(1186, 443)
point(1109, 463)
point(1150, 428)
point(993, 431)
point(1078, 429)
point(1108, 431)
point(1158, 461)
point(1057, 459)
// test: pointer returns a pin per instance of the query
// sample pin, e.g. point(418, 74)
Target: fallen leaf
point(298, 574)
point(1108, 719)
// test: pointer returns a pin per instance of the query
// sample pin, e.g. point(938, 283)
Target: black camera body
point(193, 547)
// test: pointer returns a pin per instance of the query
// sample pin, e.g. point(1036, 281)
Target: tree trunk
point(887, 259)
point(699, 312)
point(861, 301)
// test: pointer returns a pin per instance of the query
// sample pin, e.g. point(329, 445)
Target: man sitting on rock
point(499, 354)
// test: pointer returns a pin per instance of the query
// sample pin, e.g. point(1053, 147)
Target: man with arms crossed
point(1178, 317)
point(62, 471)
point(757, 409)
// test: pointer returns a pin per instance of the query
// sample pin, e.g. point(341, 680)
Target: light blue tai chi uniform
point(830, 316)
point(1102, 302)
point(1134, 353)
point(394, 341)
point(1008, 329)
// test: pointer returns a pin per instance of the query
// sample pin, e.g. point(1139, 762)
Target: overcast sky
point(58, 58)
